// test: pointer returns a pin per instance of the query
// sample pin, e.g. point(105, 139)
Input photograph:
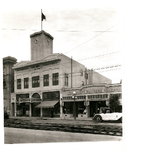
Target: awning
point(47, 104)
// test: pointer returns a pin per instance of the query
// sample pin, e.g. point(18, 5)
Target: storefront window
point(81, 108)
point(68, 108)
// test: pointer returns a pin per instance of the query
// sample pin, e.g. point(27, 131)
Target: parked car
point(108, 115)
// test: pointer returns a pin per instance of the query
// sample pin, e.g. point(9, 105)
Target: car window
point(108, 111)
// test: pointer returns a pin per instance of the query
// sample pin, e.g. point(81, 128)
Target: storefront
point(39, 104)
point(50, 106)
point(68, 109)
point(88, 100)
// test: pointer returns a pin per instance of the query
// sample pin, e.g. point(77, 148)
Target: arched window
point(35, 95)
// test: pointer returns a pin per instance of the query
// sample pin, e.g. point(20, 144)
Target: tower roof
point(40, 32)
point(9, 59)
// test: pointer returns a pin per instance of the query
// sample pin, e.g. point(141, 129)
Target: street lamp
point(74, 112)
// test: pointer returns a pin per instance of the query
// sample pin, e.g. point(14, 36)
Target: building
point(8, 82)
point(39, 83)
point(88, 99)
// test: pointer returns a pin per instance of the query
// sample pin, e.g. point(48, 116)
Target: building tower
point(8, 82)
point(41, 45)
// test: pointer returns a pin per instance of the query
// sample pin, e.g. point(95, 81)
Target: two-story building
point(39, 83)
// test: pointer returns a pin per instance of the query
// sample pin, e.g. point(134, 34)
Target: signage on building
point(91, 90)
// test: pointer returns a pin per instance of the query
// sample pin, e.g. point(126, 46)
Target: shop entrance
point(23, 109)
point(68, 108)
point(35, 110)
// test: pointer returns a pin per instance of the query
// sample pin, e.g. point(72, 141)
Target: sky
point(91, 34)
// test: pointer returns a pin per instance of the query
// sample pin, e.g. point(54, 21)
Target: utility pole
point(71, 71)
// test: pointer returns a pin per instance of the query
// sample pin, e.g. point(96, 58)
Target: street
point(15, 135)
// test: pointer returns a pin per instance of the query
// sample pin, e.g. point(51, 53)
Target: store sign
point(91, 90)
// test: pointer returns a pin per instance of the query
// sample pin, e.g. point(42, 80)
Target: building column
point(41, 111)
point(61, 112)
point(15, 109)
point(87, 111)
point(61, 107)
point(30, 112)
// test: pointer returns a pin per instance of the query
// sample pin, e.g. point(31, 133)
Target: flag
point(43, 17)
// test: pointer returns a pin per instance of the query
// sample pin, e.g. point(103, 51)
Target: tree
point(114, 102)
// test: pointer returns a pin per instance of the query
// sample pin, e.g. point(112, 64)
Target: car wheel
point(98, 118)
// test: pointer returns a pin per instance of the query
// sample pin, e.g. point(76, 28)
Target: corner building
point(40, 82)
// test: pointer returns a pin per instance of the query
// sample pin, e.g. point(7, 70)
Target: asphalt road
point(16, 136)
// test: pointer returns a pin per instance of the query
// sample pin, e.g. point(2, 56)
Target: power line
point(91, 39)
point(78, 72)
point(96, 56)
point(103, 55)
point(60, 30)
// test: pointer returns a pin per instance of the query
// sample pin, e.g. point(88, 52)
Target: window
point(46, 80)
point(35, 81)
point(66, 79)
point(47, 96)
point(68, 109)
point(86, 75)
point(26, 83)
point(4, 84)
point(105, 96)
point(18, 83)
point(55, 79)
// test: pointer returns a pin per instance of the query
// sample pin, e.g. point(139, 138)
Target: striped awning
point(47, 104)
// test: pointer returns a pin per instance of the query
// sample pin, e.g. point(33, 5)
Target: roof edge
point(40, 32)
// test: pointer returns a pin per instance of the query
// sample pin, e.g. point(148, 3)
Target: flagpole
point(41, 19)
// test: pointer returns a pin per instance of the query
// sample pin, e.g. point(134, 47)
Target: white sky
point(81, 31)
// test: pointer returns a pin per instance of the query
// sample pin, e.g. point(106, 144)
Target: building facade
point(88, 100)
point(8, 82)
point(39, 83)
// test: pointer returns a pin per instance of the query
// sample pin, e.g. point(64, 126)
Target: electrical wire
point(91, 39)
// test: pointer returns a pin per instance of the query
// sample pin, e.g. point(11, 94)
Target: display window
point(68, 108)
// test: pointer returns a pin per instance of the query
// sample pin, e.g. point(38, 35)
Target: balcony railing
point(22, 100)
point(35, 100)
point(29, 100)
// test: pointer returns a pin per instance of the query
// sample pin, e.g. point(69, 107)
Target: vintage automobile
point(108, 115)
